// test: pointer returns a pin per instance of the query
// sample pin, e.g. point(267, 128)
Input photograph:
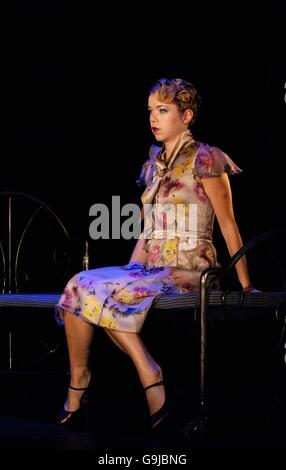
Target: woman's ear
point(188, 116)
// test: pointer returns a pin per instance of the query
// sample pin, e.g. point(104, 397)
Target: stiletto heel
point(159, 416)
point(66, 416)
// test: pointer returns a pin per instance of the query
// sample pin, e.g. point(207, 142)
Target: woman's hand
point(251, 289)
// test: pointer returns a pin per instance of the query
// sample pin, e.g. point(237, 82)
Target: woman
point(173, 250)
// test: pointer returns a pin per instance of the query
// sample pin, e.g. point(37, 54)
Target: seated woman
point(170, 255)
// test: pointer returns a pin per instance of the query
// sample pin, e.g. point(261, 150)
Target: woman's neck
point(168, 147)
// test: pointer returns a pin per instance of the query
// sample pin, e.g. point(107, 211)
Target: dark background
point(77, 128)
point(75, 132)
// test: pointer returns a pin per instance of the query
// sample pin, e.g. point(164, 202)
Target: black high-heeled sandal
point(157, 418)
point(65, 416)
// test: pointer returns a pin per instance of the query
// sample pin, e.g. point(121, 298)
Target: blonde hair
point(180, 92)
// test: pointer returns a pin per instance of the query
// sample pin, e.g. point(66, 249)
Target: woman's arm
point(139, 254)
point(218, 191)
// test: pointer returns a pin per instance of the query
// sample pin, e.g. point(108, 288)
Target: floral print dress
point(119, 297)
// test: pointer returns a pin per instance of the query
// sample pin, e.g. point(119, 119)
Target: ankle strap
point(154, 385)
point(76, 388)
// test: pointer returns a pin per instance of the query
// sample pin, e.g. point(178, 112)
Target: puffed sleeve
point(211, 161)
point(148, 167)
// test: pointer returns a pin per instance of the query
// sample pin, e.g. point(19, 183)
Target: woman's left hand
point(251, 289)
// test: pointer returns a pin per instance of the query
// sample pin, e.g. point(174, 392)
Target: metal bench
point(200, 306)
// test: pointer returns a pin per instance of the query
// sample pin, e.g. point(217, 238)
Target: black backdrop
point(77, 136)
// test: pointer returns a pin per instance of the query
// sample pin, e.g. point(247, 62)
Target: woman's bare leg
point(148, 370)
point(114, 340)
point(79, 335)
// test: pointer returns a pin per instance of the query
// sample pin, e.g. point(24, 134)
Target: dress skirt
point(116, 297)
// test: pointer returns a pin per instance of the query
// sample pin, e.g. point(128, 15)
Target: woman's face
point(166, 120)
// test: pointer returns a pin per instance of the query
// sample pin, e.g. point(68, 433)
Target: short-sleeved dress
point(119, 297)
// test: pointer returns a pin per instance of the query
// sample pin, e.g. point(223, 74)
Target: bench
point(200, 306)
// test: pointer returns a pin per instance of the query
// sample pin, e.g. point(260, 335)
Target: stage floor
point(248, 417)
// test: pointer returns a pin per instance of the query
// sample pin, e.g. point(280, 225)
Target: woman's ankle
point(80, 377)
point(153, 375)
